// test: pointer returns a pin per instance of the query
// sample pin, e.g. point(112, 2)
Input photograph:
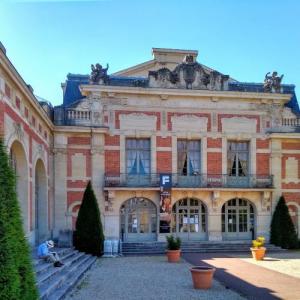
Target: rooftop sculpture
point(99, 74)
point(272, 83)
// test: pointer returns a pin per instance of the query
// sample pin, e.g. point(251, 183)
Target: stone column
point(60, 190)
point(98, 169)
point(214, 225)
point(276, 157)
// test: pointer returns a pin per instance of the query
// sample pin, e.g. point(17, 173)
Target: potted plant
point(173, 248)
point(202, 276)
point(258, 250)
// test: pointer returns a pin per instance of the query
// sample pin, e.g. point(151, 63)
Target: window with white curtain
point(188, 157)
point(138, 156)
point(238, 158)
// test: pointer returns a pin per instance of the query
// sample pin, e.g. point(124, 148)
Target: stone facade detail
point(179, 102)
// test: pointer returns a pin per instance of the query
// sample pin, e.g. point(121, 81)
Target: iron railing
point(190, 181)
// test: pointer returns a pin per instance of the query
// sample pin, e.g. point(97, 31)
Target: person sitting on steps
point(44, 253)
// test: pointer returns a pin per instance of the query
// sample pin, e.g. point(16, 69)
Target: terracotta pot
point(173, 255)
point(202, 277)
point(258, 253)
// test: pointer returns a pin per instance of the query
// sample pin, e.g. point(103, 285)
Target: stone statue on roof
point(99, 74)
point(272, 83)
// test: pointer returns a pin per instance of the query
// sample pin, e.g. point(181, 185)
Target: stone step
point(44, 267)
point(52, 271)
point(70, 282)
point(54, 283)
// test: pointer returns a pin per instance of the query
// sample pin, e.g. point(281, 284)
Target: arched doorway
point(138, 220)
point(41, 202)
point(189, 219)
point(19, 163)
point(238, 220)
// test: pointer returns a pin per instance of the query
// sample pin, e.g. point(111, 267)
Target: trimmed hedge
point(88, 236)
point(283, 231)
point(17, 279)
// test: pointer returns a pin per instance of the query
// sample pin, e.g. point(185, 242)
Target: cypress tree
point(16, 273)
point(88, 236)
point(283, 231)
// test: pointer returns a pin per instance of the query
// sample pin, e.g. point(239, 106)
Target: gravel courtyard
point(146, 277)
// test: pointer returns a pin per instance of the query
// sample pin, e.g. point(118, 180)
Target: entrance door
point(138, 220)
point(189, 219)
point(238, 220)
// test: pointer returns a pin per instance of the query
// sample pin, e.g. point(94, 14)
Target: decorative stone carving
point(272, 83)
point(239, 125)
point(109, 196)
point(188, 123)
point(138, 121)
point(99, 74)
point(190, 75)
point(266, 201)
point(215, 196)
point(18, 131)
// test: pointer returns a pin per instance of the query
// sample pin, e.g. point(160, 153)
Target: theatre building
point(170, 145)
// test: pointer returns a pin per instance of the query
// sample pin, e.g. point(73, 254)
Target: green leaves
point(16, 272)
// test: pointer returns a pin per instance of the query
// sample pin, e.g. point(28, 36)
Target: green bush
point(88, 236)
point(16, 273)
point(173, 243)
point(283, 231)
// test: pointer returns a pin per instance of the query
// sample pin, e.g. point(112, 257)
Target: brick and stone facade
point(88, 138)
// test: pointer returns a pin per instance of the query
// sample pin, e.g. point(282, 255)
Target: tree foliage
point(88, 236)
point(283, 231)
point(16, 273)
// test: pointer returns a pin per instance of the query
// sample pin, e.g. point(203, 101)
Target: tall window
point(238, 158)
point(138, 156)
point(188, 157)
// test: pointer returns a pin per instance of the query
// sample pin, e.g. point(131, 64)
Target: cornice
point(21, 84)
point(213, 95)
point(80, 129)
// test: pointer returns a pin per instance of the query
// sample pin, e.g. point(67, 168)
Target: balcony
point(191, 181)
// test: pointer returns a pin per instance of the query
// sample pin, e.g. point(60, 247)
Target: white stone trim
point(122, 154)
point(137, 121)
point(203, 158)
point(238, 125)
point(153, 153)
point(164, 149)
point(189, 123)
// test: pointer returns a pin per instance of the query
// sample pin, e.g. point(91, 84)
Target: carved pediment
point(138, 121)
point(189, 75)
point(238, 125)
point(188, 123)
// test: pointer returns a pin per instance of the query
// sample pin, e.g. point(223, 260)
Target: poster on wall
point(165, 212)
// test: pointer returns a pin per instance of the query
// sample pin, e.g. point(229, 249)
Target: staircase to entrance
point(150, 248)
point(54, 283)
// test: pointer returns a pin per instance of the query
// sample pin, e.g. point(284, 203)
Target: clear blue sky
point(45, 40)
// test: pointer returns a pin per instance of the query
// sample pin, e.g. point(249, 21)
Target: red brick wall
point(149, 113)
point(262, 144)
point(1, 118)
point(76, 140)
point(289, 197)
point(78, 184)
point(214, 163)
point(221, 116)
point(112, 162)
point(164, 161)
point(214, 143)
point(112, 140)
point(262, 164)
point(171, 114)
point(163, 142)
point(291, 146)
